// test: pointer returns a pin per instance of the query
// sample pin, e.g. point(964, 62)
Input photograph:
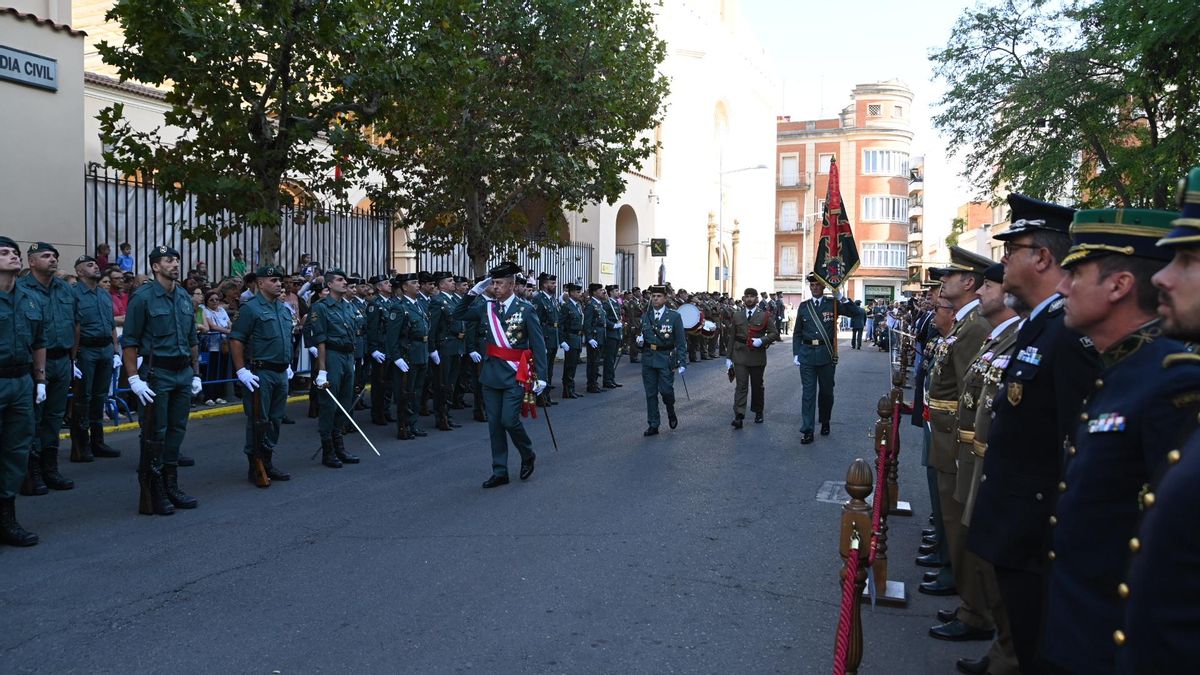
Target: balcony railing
point(798, 185)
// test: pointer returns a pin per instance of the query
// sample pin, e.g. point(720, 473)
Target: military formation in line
point(1061, 409)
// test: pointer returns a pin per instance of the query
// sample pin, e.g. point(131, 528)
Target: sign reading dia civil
point(28, 69)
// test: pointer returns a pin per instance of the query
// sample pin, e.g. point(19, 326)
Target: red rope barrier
point(877, 505)
point(842, 645)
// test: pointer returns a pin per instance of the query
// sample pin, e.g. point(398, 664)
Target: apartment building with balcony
point(871, 139)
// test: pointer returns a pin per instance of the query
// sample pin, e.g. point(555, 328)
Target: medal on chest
point(1014, 392)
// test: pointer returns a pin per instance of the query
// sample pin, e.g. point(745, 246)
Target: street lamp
point(721, 211)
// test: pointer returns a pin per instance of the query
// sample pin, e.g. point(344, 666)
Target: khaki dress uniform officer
point(22, 385)
point(753, 332)
point(1137, 413)
point(57, 301)
point(96, 355)
point(160, 327)
point(333, 326)
point(260, 345)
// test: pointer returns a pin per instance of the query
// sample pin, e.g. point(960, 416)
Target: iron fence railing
point(570, 262)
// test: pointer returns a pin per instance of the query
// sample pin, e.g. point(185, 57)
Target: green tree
point(259, 92)
point(522, 110)
point(957, 227)
point(1092, 100)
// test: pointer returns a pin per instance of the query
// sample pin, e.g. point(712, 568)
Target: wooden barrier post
point(856, 524)
point(887, 591)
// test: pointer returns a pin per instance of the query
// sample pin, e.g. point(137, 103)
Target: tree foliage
point(1094, 101)
point(957, 227)
point(522, 110)
point(259, 92)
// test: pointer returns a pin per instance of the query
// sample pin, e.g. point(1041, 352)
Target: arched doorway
point(627, 247)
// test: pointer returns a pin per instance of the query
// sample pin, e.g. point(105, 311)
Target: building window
point(789, 173)
point(787, 216)
point(826, 159)
point(874, 110)
point(885, 255)
point(787, 261)
point(886, 209)
point(885, 163)
point(898, 111)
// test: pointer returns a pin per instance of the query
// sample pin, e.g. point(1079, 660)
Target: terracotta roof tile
point(25, 16)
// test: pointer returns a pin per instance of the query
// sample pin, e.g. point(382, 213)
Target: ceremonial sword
point(358, 428)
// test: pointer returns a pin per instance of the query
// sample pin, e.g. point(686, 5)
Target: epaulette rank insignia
point(1180, 358)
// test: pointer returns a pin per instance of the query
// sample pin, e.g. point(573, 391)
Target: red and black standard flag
point(837, 254)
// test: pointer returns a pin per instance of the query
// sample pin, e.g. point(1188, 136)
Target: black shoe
point(672, 420)
point(527, 467)
point(937, 588)
point(926, 549)
point(931, 576)
point(592, 389)
point(973, 666)
point(328, 456)
point(947, 615)
point(758, 418)
point(50, 474)
point(957, 631)
point(650, 431)
point(96, 440)
point(275, 473)
point(184, 460)
point(824, 428)
point(928, 539)
point(737, 421)
point(178, 498)
point(931, 560)
point(806, 438)
point(495, 481)
point(610, 385)
point(287, 420)
point(11, 532)
point(929, 532)
point(418, 431)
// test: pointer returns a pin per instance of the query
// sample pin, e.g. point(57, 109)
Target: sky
point(821, 49)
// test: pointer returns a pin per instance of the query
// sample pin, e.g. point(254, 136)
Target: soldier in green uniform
point(408, 350)
point(612, 334)
point(516, 359)
point(96, 355)
point(571, 332)
point(260, 345)
point(22, 385)
point(333, 327)
point(477, 336)
point(465, 364)
point(814, 351)
point(547, 310)
point(57, 301)
point(663, 339)
point(160, 326)
point(356, 292)
point(381, 374)
point(594, 333)
point(446, 338)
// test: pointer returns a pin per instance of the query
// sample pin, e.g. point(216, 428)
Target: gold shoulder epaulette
point(1179, 358)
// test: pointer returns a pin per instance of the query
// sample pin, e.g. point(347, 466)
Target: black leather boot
point(178, 498)
point(33, 483)
point(339, 449)
point(672, 420)
point(152, 497)
point(328, 456)
point(80, 450)
point(403, 433)
point(11, 532)
point(99, 447)
point(54, 479)
point(274, 472)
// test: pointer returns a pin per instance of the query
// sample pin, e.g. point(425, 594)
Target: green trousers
point(96, 365)
point(272, 392)
point(817, 382)
point(339, 369)
point(48, 416)
point(172, 404)
point(408, 390)
point(16, 432)
point(504, 422)
point(658, 382)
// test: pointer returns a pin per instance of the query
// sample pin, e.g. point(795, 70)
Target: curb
point(235, 408)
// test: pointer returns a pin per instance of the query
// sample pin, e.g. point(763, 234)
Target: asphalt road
point(701, 550)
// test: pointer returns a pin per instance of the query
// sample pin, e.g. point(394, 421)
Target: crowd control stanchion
point(897, 409)
point(881, 589)
point(854, 543)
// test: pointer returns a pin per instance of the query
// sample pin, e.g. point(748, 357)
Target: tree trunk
point(269, 240)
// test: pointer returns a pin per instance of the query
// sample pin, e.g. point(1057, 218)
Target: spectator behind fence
point(125, 258)
point(197, 295)
point(237, 267)
point(120, 298)
point(217, 322)
point(102, 251)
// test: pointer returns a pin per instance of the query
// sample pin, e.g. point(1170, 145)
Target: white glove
point(196, 385)
point(618, 326)
point(757, 342)
point(313, 351)
point(76, 372)
point(482, 286)
point(565, 347)
point(728, 364)
point(248, 379)
point(539, 386)
point(433, 356)
point(116, 360)
point(41, 393)
point(682, 369)
point(476, 357)
point(640, 340)
point(593, 345)
point(142, 390)
point(379, 356)
point(322, 379)
point(796, 360)
point(290, 373)
point(402, 365)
